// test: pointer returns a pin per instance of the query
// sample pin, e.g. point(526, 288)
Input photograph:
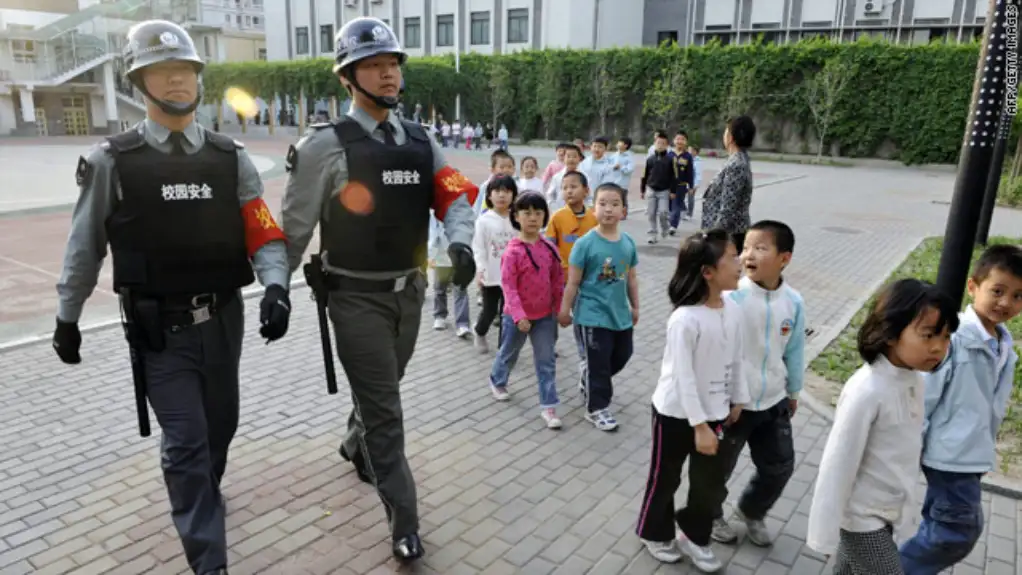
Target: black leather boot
point(359, 462)
point(408, 548)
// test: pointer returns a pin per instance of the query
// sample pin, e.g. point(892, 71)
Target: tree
point(502, 90)
point(549, 94)
point(822, 93)
point(665, 99)
point(741, 92)
point(608, 92)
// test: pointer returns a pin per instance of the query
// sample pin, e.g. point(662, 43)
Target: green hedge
point(909, 101)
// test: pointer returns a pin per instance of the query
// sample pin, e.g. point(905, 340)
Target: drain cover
point(841, 230)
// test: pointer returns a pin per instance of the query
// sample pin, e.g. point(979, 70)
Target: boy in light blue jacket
point(622, 166)
point(966, 400)
point(773, 327)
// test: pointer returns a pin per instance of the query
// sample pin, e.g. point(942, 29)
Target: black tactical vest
point(177, 229)
point(392, 236)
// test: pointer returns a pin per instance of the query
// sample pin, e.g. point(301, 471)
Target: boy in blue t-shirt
point(602, 297)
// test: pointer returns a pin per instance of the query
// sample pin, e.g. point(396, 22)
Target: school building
point(305, 28)
point(60, 60)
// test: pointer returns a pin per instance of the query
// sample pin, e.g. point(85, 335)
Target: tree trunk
point(273, 114)
point(823, 138)
point(301, 112)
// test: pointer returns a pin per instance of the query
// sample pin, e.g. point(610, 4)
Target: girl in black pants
point(492, 234)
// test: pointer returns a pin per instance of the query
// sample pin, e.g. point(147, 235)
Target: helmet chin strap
point(386, 102)
point(166, 106)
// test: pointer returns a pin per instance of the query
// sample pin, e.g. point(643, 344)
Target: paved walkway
point(81, 492)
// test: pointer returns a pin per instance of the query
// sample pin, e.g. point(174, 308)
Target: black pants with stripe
point(606, 352)
point(674, 441)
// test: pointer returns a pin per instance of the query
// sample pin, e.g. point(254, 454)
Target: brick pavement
point(80, 492)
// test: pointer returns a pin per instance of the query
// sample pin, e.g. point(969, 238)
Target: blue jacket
point(774, 341)
point(966, 399)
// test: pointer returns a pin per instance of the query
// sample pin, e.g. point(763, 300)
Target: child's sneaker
point(756, 528)
point(702, 557)
point(673, 230)
point(723, 532)
point(464, 331)
point(480, 344)
point(663, 551)
point(550, 417)
point(439, 324)
point(500, 393)
point(652, 240)
point(602, 420)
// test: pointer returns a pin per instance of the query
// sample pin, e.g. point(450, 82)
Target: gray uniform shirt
point(87, 242)
point(319, 172)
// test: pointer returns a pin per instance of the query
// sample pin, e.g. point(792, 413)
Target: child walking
point(493, 232)
point(602, 295)
point(555, 165)
point(699, 393)
point(572, 163)
point(697, 178)
point(966, 400)
point(529, 181)
point(501, 164)
point(870, 465)
point(773, 350)
point(533, 285)
point(658, 182)
point(444, 274)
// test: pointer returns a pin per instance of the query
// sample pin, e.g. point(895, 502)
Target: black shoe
point(408, 548)
point(360, 465)
point(220, 571)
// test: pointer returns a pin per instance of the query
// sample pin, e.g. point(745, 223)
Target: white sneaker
point(500, 393)
point(463, 331)
point(439, 324)
point(757, 530)
point(723, 532)
point(602, 420)
point(652, 240)
point(663, 551)
point(673, 230)
point(480, 343)
point(702, 557)
point(550, 417)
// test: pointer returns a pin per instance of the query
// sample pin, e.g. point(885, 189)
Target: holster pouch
point(148, 325)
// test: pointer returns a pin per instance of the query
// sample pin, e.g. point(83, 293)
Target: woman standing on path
point(727, 198)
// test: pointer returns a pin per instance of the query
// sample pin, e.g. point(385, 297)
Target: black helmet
point(363, 38)
point(155, 41)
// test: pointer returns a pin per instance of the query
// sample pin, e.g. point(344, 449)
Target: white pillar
point(27, 105)
point(110, 98)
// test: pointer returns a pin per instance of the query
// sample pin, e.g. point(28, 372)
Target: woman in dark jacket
point(727, 198)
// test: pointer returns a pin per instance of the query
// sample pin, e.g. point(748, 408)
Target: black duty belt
point(336, 282)
point(184, 311)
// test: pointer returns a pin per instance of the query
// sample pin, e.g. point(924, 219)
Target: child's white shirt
point(493, 233)
point(700, 375)
point(554, 197)
point(530, 184)
point(870, 466)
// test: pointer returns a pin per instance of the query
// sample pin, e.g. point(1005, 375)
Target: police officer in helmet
point(369, 180)
point(182, 212)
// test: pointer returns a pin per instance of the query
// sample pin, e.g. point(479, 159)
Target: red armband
point(260, 227)
point(449, 184)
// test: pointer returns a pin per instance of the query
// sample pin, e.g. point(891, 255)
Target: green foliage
point(911, 100)
point(1010, 192)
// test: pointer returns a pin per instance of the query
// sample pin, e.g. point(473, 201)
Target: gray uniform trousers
point(376, 335)
point(193, 390)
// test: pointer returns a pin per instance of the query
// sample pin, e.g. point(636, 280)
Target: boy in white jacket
point(773, 327)
point(444, 271)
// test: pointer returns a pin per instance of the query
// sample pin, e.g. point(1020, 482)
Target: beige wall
point(242, 49)
point(55, 6)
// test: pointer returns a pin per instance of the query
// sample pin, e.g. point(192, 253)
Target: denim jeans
point(678, 206)
point(443, 285)
point(657, 210)
point(543, 336)
point(952, 523)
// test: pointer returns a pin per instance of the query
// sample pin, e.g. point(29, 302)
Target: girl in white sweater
point(493, 232)
point(870, 465)
point(697, 396)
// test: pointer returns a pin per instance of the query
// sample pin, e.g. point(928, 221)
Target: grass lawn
point(840, 359)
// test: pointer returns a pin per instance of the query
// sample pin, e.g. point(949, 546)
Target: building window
point(445, 30)
point(227, 18)
point(518, 26)
point(248, 21)
point(479, 32)
point(23, 50)
point(257, 22)
point(326, 37)
point(262, 53)
point(386, 21)
point(413, 33)
point(302, 40)
point(669, 36)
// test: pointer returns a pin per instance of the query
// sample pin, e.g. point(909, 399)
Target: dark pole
point(988, 98)
point(986, 214)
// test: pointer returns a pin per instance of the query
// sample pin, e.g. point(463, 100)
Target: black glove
point(464, 264)
point(274, 313)
point(67, 340)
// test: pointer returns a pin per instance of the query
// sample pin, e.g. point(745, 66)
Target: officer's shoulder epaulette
point(126, 141)
point(320, 125)
point(225, 143)
point(415, 130)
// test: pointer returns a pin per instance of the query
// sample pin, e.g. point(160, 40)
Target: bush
point(1010, 193)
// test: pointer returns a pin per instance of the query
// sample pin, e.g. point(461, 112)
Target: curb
point(998, 486)
point(246, 294)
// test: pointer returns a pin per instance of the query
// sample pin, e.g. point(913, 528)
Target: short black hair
point(1005, 257)
point(895, 308)
point(534, 160)
point(581, 177)
point(694, 147)
point(562, 145)
point(626, 141)
point(601, 140)
point(688, 286)
point(609, 187)
point(784, 237)
point(659, 134)
point(527, 200)
point(574, 147)
point(497, 155)
point(681, 133)
point(500, 183)
point(743, 131)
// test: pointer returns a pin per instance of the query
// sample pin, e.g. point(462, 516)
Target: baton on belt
point(315, 277)
point(131, 332)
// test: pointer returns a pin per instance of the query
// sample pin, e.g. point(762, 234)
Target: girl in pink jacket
point(533, 284)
